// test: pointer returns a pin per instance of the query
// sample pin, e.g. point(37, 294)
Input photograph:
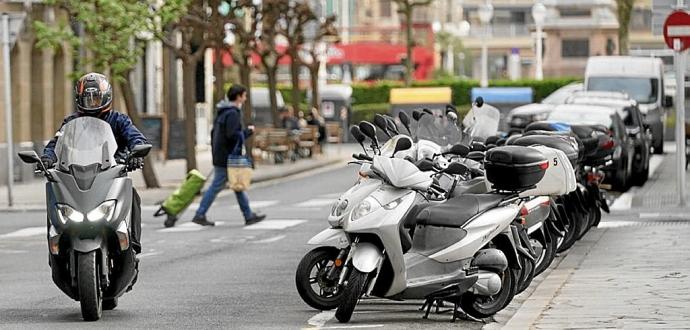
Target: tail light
point(608, 145)
point(544, 165)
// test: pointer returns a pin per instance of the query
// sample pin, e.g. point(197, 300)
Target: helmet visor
point(91, 98)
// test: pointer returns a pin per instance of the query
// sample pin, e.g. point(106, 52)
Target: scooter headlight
point(66, 212)
point(105, 211)
point(367, 206)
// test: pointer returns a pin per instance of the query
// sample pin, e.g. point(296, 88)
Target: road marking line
point(148, 254)
point(26, 232)
point(258, 204)
point(316, 202)
point(320, 319)
point(187, 226)
point(274, 224)
point(270, 239)
point(616, 224)
point(13, 251)
point(649, 215)
point(363, 326)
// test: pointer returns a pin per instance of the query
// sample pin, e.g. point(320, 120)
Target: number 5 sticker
point(555, 161)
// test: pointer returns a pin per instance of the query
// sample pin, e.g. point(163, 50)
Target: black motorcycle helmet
point(93, 94)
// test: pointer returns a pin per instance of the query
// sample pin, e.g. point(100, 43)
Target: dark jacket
point(126, 135)
point(227, 134)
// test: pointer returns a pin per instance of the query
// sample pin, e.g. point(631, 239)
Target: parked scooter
point(89, 205)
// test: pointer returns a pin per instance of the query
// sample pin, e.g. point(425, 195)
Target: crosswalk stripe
point(316, 202)
point(26, 232)
point(274, 224)
point(258, 204)
point(184, 227)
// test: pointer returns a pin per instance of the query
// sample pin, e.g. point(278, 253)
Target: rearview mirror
point(456, 169)
point(405, 120)
point(402, 144)
point(458, 150)
point(668, 101)
point(369, 130)
point(416, 115)
point(29, 157)
point(141, 150)
point(381, 123)
point(479, 101)
point(357, 134)
point(392, 126)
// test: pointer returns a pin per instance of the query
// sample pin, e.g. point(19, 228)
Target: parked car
point(640, 77)
point(634, 126)
point(520, 117)
point(619, 173)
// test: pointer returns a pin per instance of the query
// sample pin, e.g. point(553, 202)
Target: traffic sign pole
point(680, 59)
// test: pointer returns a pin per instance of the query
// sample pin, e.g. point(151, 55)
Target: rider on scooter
point(94, 97)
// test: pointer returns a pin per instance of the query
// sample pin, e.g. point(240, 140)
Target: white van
point(642, 78)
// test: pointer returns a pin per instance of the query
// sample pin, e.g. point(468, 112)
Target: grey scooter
point(89, 206)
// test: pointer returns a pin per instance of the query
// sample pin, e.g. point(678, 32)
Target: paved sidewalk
point(631, 272)
point(170, 174)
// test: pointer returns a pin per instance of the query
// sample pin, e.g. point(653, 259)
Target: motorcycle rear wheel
point(310, 272)
point(88, 278)
point(481, 306)
point(351, 294)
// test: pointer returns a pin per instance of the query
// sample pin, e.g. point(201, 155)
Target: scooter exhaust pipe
point(488, 283)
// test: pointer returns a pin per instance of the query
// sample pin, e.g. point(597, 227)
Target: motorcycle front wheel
point(312, 282)
point(88, 278)
point(351, 294)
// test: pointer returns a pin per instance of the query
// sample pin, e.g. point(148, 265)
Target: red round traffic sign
point(677, 27)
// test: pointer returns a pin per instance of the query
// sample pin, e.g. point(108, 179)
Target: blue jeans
point(220, 178)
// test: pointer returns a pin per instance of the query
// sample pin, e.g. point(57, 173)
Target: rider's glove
point(135, 163)
point(48, 162)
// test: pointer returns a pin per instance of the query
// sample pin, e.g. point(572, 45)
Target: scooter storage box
point(559, 178)
point(562, 143)
point(514, 168)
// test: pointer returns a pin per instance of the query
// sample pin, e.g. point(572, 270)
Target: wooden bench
point(334, 133)
point(308, 141)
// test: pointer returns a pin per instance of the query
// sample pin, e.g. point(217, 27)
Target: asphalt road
point(228, 276)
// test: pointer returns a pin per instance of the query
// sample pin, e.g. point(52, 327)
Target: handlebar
point(362, 157)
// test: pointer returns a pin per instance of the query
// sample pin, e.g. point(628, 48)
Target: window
point(385, 8)
point(575, 12)
point(575, 48)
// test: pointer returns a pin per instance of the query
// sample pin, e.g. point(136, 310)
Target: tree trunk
point(218, 71)
point(149, 170)
point(271, 72)
point(409, 45)
point(624, 11)
point(245, 79)
point(189, 94)
point(314, 80)
point(294, 75)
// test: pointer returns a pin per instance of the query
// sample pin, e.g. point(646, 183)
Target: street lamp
point(486, 12)
point(539, 14)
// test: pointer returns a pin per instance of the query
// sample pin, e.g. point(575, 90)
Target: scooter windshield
point(481, 123)
point(86, 141)
point(438, 129)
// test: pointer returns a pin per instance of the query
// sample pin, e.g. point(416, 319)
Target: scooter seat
point(458, 210)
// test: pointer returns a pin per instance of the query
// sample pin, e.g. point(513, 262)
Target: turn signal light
point(524, 212)
point(338, 262)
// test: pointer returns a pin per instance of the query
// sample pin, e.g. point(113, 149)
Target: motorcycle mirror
point(357, 134)
point(29, 157)
point(381, 123)
point(404, 119)
point(141, 150)
point(425, 110)
point(451, 109)
point(477, 156)
point(479, 101)
point(416, 115)
point(478, 146)
point(458, 150)
point(402, 144)
point(369, 130)
point(452, 116)
point(425, 165)
point(392, 126)
point(456, 169)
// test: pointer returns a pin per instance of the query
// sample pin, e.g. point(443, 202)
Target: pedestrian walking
point(227, 139)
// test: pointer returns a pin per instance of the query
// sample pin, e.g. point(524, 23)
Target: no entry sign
point(677, 26)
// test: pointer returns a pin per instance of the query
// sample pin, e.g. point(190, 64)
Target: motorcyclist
point(94, 98)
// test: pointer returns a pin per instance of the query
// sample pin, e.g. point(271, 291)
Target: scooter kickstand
point(460, 314)
point(428, 303)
